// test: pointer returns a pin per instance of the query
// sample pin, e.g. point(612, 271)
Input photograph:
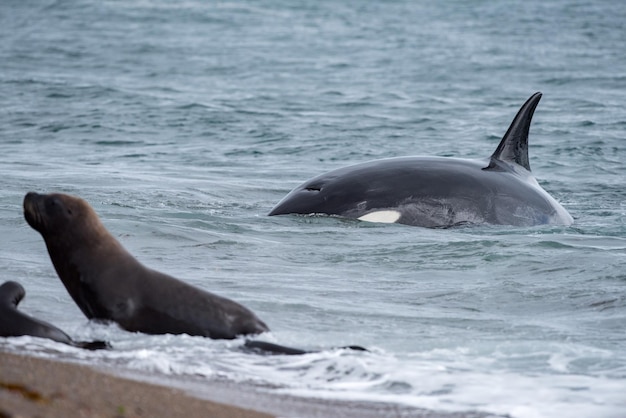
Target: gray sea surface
point(184, 122)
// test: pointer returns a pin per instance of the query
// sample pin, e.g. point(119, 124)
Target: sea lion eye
point(69, 211)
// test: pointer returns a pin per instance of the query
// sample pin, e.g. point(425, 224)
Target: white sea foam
point(446, 380)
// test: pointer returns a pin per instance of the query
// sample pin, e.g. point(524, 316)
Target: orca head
point(310, 197)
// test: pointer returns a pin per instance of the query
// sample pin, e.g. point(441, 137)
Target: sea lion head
point(79, 246)
point(11, 293)
point(59, 215)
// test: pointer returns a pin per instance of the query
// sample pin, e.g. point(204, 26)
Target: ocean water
point(184, 122)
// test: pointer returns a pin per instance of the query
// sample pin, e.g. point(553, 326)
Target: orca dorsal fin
point(514, 144)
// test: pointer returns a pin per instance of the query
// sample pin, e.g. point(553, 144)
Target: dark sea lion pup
point(108, 283)
point(14, 323)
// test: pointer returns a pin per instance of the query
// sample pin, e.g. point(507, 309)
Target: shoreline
point(37, 387)
point(32, 386)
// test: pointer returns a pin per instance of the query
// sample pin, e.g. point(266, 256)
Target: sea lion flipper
point(93, 345)
point(354, 347)
point(264, 347)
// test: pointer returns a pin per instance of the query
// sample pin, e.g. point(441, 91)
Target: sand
point(35, 387)
point(38, 387)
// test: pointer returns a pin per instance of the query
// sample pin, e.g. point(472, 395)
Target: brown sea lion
point(108, 283)
point(14, 323)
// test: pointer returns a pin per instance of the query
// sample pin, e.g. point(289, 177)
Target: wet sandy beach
point(37, 387)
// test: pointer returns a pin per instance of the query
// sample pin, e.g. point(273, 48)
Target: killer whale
point(14, 323)
point(437, 192)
